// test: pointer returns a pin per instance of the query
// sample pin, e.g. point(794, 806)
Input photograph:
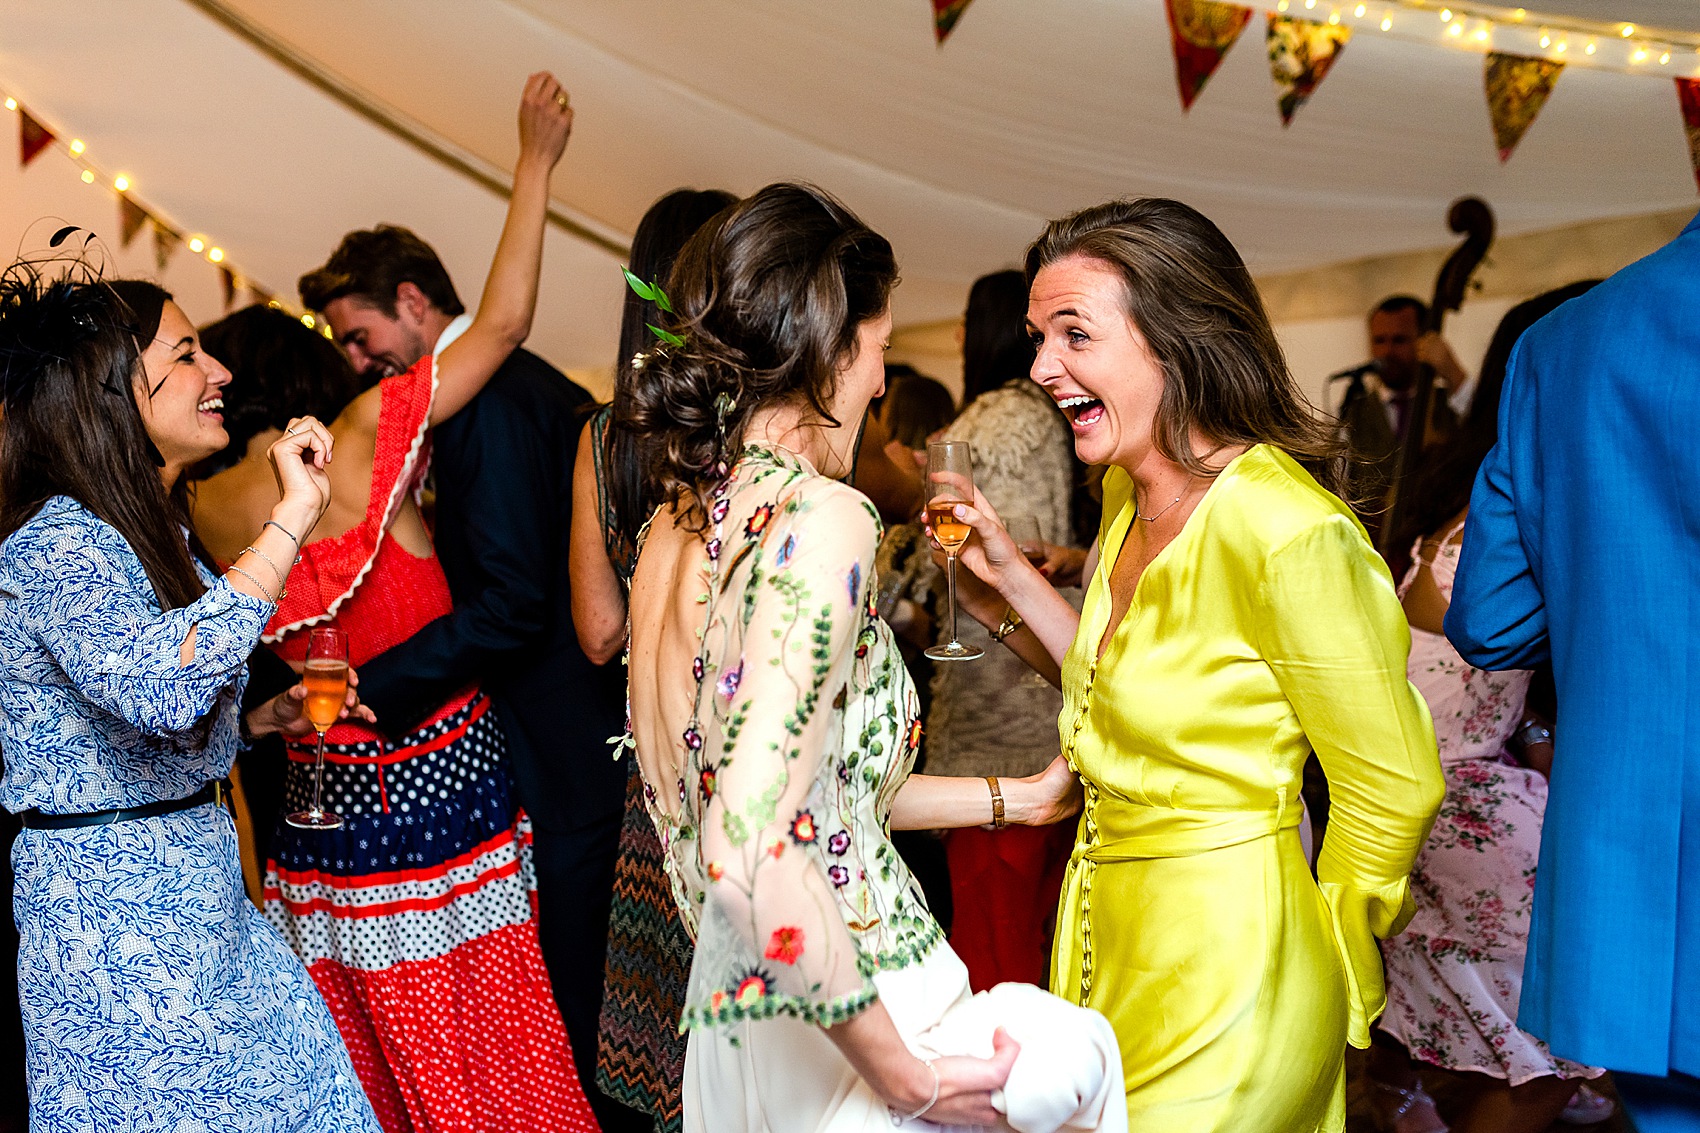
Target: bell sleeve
point(771, 938)
point(77, 597)
point(1332, 630)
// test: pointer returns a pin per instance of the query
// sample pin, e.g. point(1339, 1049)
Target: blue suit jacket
point(1583, 547)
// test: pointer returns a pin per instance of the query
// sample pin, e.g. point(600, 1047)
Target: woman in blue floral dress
point(155, 997)
point(776, 727)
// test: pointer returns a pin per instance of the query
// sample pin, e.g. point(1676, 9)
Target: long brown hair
point(768, 296)
point(1189, 293)
point(70, 355)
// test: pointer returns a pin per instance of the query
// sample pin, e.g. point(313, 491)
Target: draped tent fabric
point(959, 152)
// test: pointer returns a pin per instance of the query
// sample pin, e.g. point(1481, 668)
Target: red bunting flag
point(227, 279)
point(1300, 55)
point(165, 242)
point(1517, 88)
point(33, 137)
point(945, 15)
point(1688, 95)
point(131, 217)
point(1201, 32)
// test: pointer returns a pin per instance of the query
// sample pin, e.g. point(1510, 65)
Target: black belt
point(217, 791)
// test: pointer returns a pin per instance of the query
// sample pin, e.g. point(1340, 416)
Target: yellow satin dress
point(1189, 917)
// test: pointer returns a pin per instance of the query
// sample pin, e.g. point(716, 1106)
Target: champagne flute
point(950, 479)
point(1024, 529)
point(326, 678)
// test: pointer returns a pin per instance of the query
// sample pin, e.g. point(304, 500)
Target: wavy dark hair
point(769, 296)
point(279, 370)
point(995, 346)
point(1448, 475)
point(1189, 293)
point(670, 222)
point(70, 363)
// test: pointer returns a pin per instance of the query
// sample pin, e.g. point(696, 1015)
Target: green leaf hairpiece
point(652, 292)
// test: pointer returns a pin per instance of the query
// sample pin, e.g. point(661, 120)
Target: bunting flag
point(1517, 88)
point(227, 280)
point(1300, 54)
point(165, 242)
point(1201, 32)
point(1688, 94)
point(131, 217)
point(945, 15)
point(33, 137)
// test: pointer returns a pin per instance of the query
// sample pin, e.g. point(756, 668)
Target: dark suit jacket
point(1363, 422)
point(504, 475)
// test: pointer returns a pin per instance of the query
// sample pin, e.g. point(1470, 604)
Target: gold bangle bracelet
point(1011, 622)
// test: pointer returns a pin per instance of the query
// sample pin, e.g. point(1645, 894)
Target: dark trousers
point(575, 885)
point(1660, 1105)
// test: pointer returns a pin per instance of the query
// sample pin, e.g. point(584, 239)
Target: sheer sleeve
point(771, 938)
point(76, 595)
point(1332, 631)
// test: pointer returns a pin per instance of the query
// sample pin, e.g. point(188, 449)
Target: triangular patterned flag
point(1201, 32)
point(165, 242)
point(1688, 94)
point(945, 15)
point(1517, 88)
point(1300, 54)
point(131, 217)
point(33, 137)
point(227, 279)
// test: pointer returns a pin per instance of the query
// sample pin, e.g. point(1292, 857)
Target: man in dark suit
point(1375, 411)
point(504, 468)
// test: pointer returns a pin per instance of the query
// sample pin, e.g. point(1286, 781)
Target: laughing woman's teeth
point(211, 405)
point(1083, 410)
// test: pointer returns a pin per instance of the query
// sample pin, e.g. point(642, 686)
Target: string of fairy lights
point(1610, 45)
point(122, 184)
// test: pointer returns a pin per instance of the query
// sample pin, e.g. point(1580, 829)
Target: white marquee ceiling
point(959, 154)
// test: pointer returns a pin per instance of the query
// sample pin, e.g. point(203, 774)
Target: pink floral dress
point(1455, 974)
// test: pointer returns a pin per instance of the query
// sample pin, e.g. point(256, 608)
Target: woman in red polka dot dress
point(416, 918)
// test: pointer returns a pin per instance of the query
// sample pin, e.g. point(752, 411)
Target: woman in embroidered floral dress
point(776, 726)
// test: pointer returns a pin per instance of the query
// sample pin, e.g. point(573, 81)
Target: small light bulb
point(1640, 55)
point(1590, 49)
point(325, 330)
point(1360, 10)
point(1456, 31)
point(1281, 6)
point(1446, 15)
point(11, 104)
point(88, 176)
point(1333, 18)
point(1310, 3)
point(1546, 40)
point(77, 145)
point(196, 244)
point(1387, 23)
point(1626, 30)
point(307, 320)
point(1563, 46)
point(216, 255)
point(1665, 58)
point(121, 183)
point(274, 304)
point(1481, 35)
point(1520, 14)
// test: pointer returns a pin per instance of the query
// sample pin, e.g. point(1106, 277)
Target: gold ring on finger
point(563, 101)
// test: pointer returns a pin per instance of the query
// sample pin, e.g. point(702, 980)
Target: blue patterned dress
point(155, 997)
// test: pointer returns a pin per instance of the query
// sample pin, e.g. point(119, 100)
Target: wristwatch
point(1533, 732)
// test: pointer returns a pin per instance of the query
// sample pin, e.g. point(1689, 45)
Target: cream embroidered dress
point(773, 804)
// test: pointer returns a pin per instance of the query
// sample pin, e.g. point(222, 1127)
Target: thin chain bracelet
point(285, 530)
point(256, 582)
point(282, 579)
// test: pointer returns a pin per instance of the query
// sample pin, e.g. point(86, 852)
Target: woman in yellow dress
point(1237, 619)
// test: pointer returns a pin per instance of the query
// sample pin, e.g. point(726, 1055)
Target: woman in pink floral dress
point(1455, 975)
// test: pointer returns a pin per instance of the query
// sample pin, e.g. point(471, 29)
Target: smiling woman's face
point(179, 393)
point(1093, 361)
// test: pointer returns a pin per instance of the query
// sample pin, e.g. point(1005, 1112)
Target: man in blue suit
point(1583, 548)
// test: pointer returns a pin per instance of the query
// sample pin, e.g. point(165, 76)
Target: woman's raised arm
point(505, 309)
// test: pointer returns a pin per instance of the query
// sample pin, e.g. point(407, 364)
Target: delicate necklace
point(1154, 518)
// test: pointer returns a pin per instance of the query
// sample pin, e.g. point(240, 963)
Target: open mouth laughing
point(1082, 411)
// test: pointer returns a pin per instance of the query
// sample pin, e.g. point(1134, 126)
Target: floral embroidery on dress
point(804, 727)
